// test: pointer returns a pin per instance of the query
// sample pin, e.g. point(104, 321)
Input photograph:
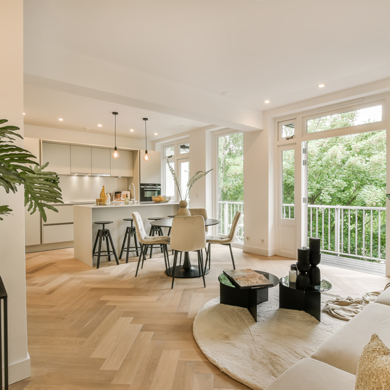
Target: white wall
point(12, 259)
point(82, 137)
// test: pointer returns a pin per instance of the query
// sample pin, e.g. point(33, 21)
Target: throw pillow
point(373, 372)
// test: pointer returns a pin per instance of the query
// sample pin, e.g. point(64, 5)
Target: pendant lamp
point(146, 157)
point(115, 154)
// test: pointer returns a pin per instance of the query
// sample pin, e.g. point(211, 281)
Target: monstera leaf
point(18, 167)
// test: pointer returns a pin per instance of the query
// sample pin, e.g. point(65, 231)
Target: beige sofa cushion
point(384, 298)
point(344, 348)
point(309, 374)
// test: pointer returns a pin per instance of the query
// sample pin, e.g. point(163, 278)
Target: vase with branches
point(18, 167)
point(192, 180)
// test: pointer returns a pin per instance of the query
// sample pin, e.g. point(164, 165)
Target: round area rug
point(256, 353)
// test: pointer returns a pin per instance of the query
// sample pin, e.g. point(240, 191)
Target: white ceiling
point(239, 52)
point(44, 107)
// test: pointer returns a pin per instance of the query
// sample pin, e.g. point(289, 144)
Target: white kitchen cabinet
point(101, 161)
point(64, 215)
point(80, 159)
point(58, 156)
point(123, 165)
point(151, 169)
point(57, 233)
point(32, 222)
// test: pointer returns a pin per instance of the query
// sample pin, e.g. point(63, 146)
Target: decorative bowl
point(161, 199)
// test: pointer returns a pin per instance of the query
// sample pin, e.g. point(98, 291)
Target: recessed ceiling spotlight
point(131, 130)
point(321, 85)
point(155, 133)
point(266, 101)
point(60, 119)
point(100, 125)
point(24, 113)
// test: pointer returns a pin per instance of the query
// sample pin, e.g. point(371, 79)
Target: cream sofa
point(333, 365)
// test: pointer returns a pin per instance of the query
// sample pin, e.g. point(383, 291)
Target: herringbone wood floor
point(106, 329)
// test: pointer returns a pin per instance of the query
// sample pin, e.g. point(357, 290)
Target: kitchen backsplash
point(80, 188)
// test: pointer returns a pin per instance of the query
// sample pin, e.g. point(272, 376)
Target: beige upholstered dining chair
point(146, 241)
point(224, 240)
point(188, 235)
point(201, 212)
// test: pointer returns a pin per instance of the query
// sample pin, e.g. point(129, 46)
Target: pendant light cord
point(115, 131)
point(146, 136)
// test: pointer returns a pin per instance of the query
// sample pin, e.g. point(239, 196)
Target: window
point(169, 182)
point(184, 148)
point(169, 151)
point(288, 184)
point(287, 129)
point(345, 119)
point(184, 176)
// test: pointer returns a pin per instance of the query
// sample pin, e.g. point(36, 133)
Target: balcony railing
point(226, 213)
point(350, 231)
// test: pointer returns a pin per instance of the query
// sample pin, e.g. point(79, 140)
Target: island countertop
point(85, 229)
point(94, 206)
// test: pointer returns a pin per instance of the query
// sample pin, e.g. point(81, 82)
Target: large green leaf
point(18, 167)
point(4, 210)
point(40, 190)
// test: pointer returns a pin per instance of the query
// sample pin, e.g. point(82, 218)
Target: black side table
point(308, 300)
point(245, 297)
point(4, 335)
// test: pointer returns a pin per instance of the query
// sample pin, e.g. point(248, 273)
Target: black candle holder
point(315, 259)
point(303, 265)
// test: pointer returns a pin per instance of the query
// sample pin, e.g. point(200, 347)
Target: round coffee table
point(245, 297)
point(308, 300)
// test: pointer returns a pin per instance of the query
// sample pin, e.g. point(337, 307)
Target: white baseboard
point(259, 251)
point(19, 370)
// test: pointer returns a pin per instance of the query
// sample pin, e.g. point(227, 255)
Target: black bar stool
point(155, 231)
point(104, 235)
point(130, 232)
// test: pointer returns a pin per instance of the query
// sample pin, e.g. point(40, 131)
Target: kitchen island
point(85, 229)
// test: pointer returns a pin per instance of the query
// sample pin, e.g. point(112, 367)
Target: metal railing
point(351, 231)
point(226, 213)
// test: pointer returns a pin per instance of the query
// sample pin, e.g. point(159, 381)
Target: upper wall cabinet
point(101, 161)
point(80, 159)
point(122, 165)
point(58, 157)
point(150, 169)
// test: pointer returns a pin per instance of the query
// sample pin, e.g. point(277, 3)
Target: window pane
point(288, 184)
point(184, 148)
point(169, 151)
point(169, 182)
point(345, 119)
point(288, 130)
point(184, 177)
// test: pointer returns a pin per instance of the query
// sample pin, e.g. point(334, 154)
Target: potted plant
point(183, 200)
point(18, 167)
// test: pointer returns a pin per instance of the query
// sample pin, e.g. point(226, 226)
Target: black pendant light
point(115, 154)
point(146, 157)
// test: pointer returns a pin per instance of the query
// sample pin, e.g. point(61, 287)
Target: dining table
point(186, 270)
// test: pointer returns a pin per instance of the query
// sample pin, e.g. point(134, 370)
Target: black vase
point(303, 281)
point(315, 276)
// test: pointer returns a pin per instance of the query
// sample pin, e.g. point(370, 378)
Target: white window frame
point(177, 156)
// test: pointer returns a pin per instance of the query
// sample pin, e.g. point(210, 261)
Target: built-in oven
point(148, 190)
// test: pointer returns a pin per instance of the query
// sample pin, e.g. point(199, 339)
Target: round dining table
point(187, 270)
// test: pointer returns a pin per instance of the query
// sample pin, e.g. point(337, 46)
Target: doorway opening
point(230, 190)
point(346, 194)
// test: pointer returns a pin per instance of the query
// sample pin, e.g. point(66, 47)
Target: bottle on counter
point(103, 197)
point(127, 200)
point(108, 202)
point(292, 275)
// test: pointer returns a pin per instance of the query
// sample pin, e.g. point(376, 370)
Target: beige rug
point(255, 354)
